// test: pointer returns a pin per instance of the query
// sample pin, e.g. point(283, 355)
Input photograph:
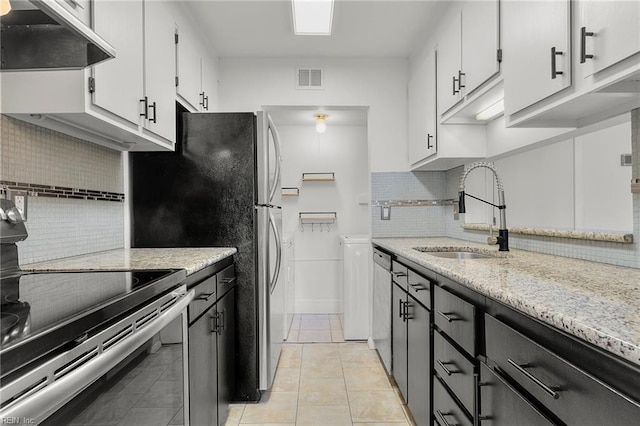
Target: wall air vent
point(626, 159)
point(309, 78)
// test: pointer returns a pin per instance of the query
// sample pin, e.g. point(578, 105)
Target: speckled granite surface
point(191, 259)
point(559, 233)
point(596, 302)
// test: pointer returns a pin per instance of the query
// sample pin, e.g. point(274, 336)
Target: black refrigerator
point(221, 188)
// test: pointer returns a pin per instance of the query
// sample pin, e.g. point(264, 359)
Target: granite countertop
point(192, 259)
point(596, 302)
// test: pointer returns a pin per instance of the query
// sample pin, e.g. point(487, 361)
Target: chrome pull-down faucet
point(503, 234)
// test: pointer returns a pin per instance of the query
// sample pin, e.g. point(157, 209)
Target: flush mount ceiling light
point(321, 126)
point(491, 112)
point(312, 17)
point(5, 7)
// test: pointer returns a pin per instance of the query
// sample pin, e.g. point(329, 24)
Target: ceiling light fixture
point(491, 112)
point(321, 126)
point(5, 7)
point(312, 17)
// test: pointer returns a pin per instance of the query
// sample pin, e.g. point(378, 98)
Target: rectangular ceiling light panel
point(312, 17)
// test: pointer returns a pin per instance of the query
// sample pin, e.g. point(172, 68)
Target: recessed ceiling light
point(312, 17)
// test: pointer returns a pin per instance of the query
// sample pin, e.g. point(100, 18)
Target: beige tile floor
point(316, 328)
point(338, 383)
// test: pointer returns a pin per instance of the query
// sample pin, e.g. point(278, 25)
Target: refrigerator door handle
point(276, 144)
point(276, 274)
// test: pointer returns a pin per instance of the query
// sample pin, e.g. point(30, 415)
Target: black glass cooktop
point(40, 312)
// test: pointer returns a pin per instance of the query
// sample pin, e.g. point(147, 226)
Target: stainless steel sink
point(459, 255)
point(452, 253)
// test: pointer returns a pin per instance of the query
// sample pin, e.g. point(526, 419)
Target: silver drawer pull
point(448, 316)
point(399, 274)
point(206, 296)
point(229, 280)
point(418, 287)
point(440, 415)
point(521, 368)
point(443, 365)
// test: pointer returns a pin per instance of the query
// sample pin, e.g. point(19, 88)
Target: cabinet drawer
point(226, 280)
point(500, 404)
point(456, 318)
point(454, 369)
point(205, 297)
point(572, 394)
point(419, 287)
point(445, 409)
point(399, 274)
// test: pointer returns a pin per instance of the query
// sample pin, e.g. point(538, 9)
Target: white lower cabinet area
point(357, 287)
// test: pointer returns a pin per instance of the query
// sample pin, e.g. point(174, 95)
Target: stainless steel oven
point(128, 370)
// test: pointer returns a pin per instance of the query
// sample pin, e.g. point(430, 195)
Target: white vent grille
point(626, 159)
point(309, 78)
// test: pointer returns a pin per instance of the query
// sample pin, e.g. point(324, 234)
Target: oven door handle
point(50, 394)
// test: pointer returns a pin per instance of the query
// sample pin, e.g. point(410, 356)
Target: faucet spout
point(503, 233)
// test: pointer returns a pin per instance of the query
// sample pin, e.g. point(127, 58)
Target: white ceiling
point(361, 28)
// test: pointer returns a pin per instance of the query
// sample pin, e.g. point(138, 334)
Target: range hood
point(43, 34)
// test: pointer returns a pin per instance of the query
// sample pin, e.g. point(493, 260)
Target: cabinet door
point(399, 339)
point(449, 65)
point(119, 81)
point(188, 69)
point(160, 67)
point(226, 353)
point(479, 43)
point(209, 82)
point(501, 405)
point(422, 110)
point(419, 362)
point(616, 33)
point(530, 31)
point(202, 370)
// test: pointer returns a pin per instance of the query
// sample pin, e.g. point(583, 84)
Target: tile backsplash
point(62, 227)
point(411, 221)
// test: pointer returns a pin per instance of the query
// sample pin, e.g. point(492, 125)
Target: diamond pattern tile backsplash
point(61, 227)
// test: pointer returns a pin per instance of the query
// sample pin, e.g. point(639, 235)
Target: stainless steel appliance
point(382, 306)
point(73, 343)
point(221, 187)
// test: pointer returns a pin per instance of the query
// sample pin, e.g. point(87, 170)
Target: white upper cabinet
point(209, 82)
point(480, 42)
point(537, 51)
point(468, 53)
point(127, 103)
point(422, 115)
point(197, 83)
point(450, 65)
point(119, 22)
point(609, 31)
point(160, 70)
point(189, 85)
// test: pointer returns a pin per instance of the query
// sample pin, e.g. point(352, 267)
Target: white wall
point(247, 84)
point(318, 253)
point(577, 183)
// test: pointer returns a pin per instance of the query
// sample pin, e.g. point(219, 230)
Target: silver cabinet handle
point(418, 287)
point(229, 280)
point(399, 274)
point(440, 415)
point(521, 368)
point(447, 316)
point(407, 317)
point(206, 296)
point(400, 310)
point(443, 365)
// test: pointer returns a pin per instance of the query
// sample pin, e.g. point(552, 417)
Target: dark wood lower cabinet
point(494, 366)
point(399, 340)
point(502, 405)
point(212, 363)
point(418, 362)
